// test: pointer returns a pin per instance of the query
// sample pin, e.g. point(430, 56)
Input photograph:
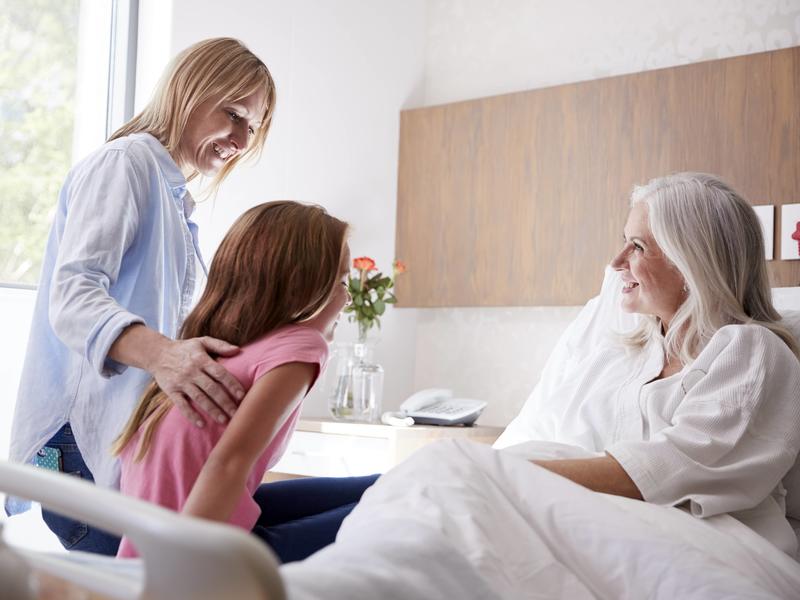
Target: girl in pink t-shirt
point(275, 288)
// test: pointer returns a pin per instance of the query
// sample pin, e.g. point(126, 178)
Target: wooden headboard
point(520, 199)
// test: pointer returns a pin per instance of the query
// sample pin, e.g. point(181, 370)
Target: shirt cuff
point(105, 333)
point(637, 469)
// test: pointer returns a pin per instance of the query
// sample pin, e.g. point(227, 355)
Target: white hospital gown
point(719, 436)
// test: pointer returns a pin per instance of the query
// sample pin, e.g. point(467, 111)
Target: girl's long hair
point(713, 237)
point(221, 68)
point(278, 264)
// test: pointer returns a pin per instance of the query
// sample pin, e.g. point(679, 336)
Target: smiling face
point(218, 131)
point(653, 286)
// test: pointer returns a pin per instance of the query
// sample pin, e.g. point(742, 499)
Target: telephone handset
point(436, 406)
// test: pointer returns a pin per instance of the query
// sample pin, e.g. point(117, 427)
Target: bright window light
point(66, 73)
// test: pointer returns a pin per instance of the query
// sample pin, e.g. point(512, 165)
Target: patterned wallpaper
point(486, 47)
point(482, 48)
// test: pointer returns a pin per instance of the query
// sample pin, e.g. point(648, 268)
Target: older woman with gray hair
point(698, 403)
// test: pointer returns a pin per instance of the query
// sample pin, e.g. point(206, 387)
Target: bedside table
point(328, 448)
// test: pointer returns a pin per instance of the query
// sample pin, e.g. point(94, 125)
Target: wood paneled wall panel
point(520, 200)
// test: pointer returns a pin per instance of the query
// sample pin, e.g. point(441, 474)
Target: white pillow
point(600, 315)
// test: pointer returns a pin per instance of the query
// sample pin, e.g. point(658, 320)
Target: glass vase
point(355, 383)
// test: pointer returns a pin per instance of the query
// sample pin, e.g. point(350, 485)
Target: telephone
point(436, 406)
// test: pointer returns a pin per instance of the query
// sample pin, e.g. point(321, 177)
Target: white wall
point(345, 69)
point(479, 48)
point(15, 321)
point(343, 72)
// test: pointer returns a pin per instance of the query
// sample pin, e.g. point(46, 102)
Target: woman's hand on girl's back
point(187, 374)
point(183, 369)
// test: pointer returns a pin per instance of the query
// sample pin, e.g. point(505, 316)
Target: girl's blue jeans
point(301, 516)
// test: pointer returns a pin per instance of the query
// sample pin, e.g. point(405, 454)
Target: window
point(66, 72)
point(66, 68)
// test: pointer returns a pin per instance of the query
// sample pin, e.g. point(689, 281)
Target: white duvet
point(460, 520)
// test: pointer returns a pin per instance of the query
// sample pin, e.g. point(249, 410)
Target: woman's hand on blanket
point(602, 474)
point(187, 373)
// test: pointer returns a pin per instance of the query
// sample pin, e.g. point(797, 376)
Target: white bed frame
point(182, 557)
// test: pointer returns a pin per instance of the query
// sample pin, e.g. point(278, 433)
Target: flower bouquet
point(371, 292)
point(357, 390)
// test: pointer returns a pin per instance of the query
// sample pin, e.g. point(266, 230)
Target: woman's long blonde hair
point(278, 264)
point(221, 68)
point(712, 235)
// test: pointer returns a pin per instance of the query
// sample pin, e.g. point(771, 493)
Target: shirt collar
point(188, 203)
point(171, 171)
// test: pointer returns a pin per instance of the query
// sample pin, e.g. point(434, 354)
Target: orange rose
point(364, 263)
point(399, 266)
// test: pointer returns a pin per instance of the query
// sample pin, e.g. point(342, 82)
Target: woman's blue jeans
point(301, 516)
point(72, 534)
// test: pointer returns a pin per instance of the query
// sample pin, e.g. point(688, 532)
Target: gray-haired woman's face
point(217, 132)
point(653, 285)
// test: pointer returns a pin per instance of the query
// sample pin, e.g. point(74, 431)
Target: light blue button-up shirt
point(121, 250)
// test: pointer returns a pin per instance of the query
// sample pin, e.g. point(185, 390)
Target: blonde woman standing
point(119, 275)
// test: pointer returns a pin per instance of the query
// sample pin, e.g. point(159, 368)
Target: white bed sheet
point(461, 520)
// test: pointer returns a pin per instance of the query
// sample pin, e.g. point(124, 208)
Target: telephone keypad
point(443, 408)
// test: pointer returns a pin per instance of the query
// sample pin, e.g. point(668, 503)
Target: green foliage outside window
point(38, 59)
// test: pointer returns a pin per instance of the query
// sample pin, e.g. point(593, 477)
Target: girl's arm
point(602, 474)
point(265, 408)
